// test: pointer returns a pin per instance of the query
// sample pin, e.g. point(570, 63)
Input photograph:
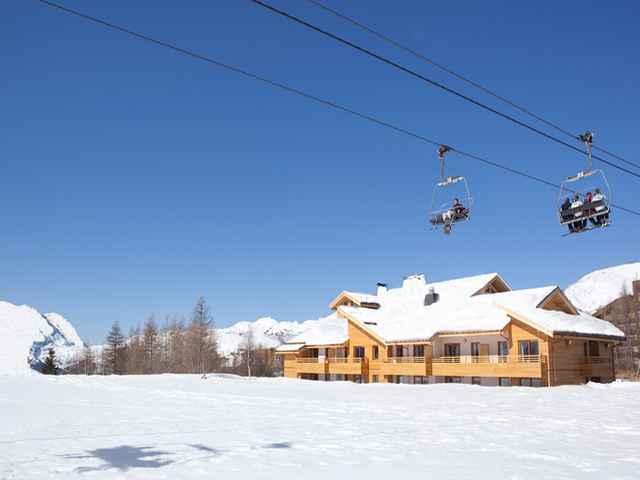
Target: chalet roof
point(409, 321)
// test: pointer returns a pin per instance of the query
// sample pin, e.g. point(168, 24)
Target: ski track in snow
point(180, 426)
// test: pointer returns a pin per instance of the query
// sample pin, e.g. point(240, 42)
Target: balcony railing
point(308, 360)
point(488, 359)
point(404, 360)
point(345, 359)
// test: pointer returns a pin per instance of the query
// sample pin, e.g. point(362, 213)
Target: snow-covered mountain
point(267, 332)
point(601, 287)
point(27, 335)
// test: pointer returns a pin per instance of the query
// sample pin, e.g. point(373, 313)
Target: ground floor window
point(595, 379)
point(536, 382)
point(452, 379)
point(504, 382)
point(374, 379)
point(420, 380)
point(309, 376)
point(476, 380)
point(525, 382)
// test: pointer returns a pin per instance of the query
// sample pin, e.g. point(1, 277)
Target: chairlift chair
point(451, 202)
point(585, 198)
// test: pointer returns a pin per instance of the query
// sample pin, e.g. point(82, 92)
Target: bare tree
point(248, 351)
point(151, 346)
point(201, 341)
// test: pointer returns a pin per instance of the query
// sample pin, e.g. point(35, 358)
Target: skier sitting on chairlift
point(600, 220)
point(579, 224)
point(564, 212)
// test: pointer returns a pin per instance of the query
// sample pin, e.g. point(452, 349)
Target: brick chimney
point(636, 291)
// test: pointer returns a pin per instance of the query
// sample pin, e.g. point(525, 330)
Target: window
point(536, 382)
point(525, 382)
point(452, 379)
point(528, 347)
point(420, 380)
point(475, 349)
point(418, 350)
point(476, 380)
point(375, 353)
point(451, 349)
point(358, 352)
point(504, 382)
point(595, 379)
point(503, 351)
point(594, 351)
point(374, 379)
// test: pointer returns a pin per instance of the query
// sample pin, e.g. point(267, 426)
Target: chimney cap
point(381, 284)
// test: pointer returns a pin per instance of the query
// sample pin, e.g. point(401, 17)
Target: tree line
point(178, 346)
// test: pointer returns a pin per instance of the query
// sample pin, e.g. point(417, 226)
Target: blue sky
point(136, 180)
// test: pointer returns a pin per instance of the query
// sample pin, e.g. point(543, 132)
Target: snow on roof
point(330, 330)
point(467, 313)
point(598, 289)
point(290, 347)
point(555, 322)
point(521, 298)
point(403, 315)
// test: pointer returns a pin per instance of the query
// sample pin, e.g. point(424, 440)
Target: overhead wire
point(434, 83)
point(459, 76)
point(301, 93)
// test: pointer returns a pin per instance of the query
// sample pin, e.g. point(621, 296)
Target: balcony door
point(503, 351)
point(452, 350)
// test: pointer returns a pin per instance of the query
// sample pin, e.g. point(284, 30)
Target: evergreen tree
point(50, 363)
point(115, 351)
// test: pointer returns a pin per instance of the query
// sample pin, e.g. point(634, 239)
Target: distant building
point(468, 330)
point(613, 294)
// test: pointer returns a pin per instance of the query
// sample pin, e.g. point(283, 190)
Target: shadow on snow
point(123, 458)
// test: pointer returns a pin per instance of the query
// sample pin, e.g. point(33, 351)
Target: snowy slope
point(599, 288)
point(27, 335)
point(225, 427)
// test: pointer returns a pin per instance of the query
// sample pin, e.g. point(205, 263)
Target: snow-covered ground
point(182, 427)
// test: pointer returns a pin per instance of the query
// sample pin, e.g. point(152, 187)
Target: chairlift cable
point(461, 77)
point(303, 94)
point(434, 83)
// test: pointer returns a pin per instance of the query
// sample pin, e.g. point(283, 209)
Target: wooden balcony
point(420, 366)
point(345, 366)
point(527, 366)
point(310, 365)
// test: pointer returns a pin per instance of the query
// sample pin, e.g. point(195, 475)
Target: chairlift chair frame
point(583, 215)
point(443, 214)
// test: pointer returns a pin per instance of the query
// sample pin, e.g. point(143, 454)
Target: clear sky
point(135, 180)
